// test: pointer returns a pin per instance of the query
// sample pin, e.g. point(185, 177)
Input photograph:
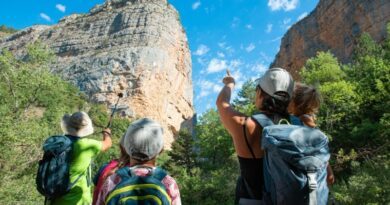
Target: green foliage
point(368, 183)
point(183, 153)
point(5, 29)
point(245, 101)
point(355, 113)
point(32, 103)
point(323, 68)
point(204, 165)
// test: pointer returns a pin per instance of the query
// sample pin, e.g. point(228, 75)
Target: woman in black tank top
point(273, 92)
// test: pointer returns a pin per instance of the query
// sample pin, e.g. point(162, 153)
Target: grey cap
point(144, 139)
point(276, 80)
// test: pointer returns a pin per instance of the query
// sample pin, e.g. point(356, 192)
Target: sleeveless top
point(251, 181)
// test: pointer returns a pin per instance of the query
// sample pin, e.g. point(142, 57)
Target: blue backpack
point(53, 177)
point(139, 190)
point(295, 162)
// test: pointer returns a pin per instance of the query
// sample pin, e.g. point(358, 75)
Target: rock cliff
point(334, 25)
point(134, 47)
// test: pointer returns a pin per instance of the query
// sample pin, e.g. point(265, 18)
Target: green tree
point(245, 101)
point(183, 153)
point(32, 102)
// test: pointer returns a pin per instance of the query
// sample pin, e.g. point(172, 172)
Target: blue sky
point(242, 35)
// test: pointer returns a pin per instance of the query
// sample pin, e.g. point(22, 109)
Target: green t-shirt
point(83, 151)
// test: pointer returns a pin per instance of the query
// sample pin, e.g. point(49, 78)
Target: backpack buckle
point(312, 182)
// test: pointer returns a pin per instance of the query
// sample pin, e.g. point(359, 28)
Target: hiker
point(110, 168)
point(304, 104)
point(273, 92)
point(78, 126)
point(141, 181)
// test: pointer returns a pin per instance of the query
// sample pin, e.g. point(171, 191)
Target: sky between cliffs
point(243, 35)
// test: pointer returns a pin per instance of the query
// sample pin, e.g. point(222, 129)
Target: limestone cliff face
point(134, 47)
point(334, 25)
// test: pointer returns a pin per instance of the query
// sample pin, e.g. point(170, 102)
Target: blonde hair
point(306, 99)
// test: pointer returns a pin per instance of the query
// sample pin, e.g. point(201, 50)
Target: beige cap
point(78, 124)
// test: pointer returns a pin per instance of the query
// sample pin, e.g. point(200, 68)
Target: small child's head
point(306, 100)
point(144, 140)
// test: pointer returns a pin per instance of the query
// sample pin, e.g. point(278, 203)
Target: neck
point(150, 163)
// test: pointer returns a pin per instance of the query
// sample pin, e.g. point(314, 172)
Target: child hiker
point(305, 104)
point(141, 181)
point(64, 172)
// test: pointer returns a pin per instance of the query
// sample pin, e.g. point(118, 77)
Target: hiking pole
point(120, 95)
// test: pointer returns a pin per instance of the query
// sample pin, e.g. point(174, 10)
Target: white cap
point(276, 80)
point(144, 139)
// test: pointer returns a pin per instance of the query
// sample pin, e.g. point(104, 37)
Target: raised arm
point(107, 142)
point(233, 121)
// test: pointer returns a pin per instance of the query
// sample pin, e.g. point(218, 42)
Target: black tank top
point(251, 184)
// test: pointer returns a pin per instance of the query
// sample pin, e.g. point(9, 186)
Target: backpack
point(100, 177)
point(295, 161)
point(139, 190)
point(53, 177)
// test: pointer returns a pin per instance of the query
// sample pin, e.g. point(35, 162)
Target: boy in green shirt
point(84, 150)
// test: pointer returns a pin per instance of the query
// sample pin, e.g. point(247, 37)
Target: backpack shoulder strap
point(72, 138)
point(159, 173)
point(295, 120)
point(263, 120)
point(124, 172)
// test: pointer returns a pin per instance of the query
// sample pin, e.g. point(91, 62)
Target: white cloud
point(286, 23)
point(196, 5)
point(228, 49)
point(217, 88)
point(235, 63)
point(269, 28)
point(249, 26)
point(250, 47)
point(222, 44)
point(259, 68)
point(61, 7)
point(216, 65)
point(265, 57)
point(203, 93)
point(303, 15)
point(45, 16)
point(286, 5)
point(220, 54)
point(206, 88)
point(236, 22)
point(202, 49)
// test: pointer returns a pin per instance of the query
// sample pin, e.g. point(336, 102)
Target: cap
point(78, 124)
point(276, 80)
point(144, 139)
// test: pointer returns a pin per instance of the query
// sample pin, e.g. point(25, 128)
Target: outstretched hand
point(228, 79)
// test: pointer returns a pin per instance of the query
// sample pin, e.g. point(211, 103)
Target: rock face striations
point(334, 25)
point(134, 47)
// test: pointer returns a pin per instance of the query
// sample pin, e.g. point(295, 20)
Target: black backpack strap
point(246, 139)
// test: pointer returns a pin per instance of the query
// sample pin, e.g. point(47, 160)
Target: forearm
point(107, 142)
point(223, 100)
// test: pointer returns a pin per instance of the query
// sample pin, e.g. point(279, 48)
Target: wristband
point(105, 132)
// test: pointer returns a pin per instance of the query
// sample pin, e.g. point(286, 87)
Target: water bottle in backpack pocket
point(53, 177)
point(295, 163)
point(139, 190)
